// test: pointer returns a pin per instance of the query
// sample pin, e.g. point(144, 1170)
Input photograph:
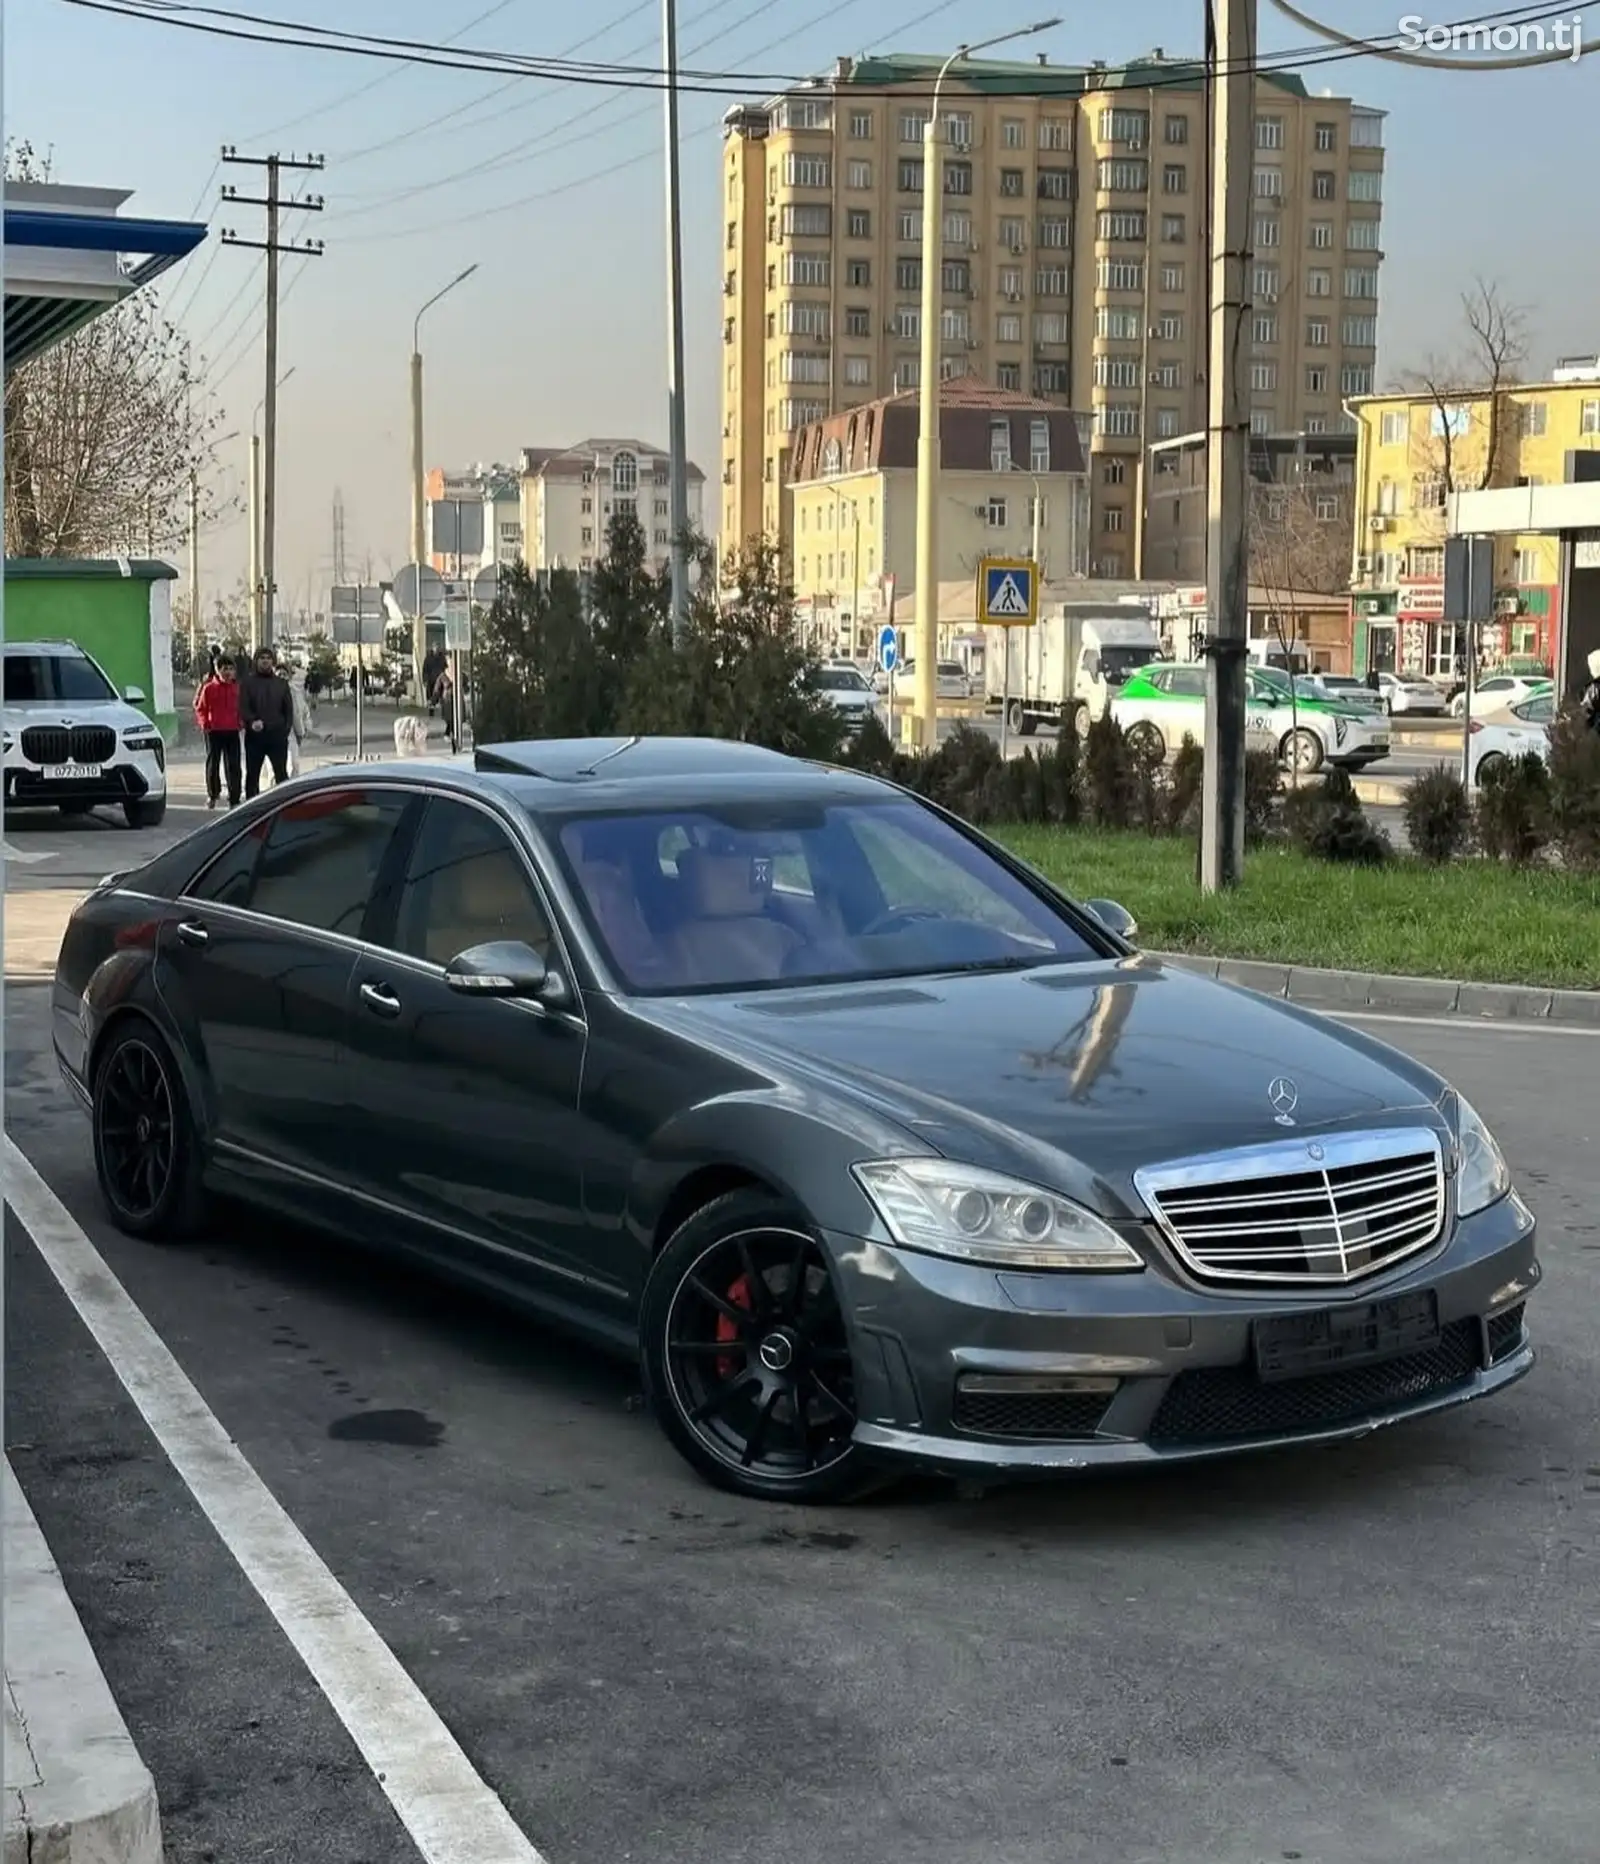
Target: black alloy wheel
point(144, 1145)
point(747, 1356)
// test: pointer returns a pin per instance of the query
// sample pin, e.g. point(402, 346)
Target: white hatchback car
point(1526, 728)
point(71, 743)
point(1499, 693)
point(1418, 698)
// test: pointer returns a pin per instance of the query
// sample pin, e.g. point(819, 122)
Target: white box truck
point(1063, 671)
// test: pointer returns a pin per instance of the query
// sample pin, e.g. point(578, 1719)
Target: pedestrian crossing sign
point(1008, 592)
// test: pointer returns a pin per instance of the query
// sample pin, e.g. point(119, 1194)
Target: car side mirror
point(133, 694)
point(1116, 919)
point(505, 968)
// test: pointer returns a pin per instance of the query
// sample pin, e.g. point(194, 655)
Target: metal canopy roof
point(69, 255)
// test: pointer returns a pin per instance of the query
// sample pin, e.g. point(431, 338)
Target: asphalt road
point(1380, 1653)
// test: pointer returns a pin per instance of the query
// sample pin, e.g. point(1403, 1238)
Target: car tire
point(1303, 752)
point(1015, 720)
point(144, 812)
point(140, 1112)
point(1489, 765)
point(771, 1416)
point(1146, 739)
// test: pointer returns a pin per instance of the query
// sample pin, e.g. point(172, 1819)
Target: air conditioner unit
point(1377, 523)
point(1013, 297)
point(1508, 605)
point(1363, 566)
point(1154, 330)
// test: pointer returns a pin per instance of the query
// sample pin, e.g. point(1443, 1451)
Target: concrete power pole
point(677, 442)
point(273, 247)
point(1227, 552)
point(194, 568)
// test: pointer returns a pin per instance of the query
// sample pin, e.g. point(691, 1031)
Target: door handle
point(193, 933)
point(380, 999)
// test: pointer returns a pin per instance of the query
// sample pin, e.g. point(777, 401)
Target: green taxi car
point(1163, 704)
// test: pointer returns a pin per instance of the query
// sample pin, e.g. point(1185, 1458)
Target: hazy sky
point(561, 333)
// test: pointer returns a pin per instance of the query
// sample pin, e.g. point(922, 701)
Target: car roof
point(55, 649)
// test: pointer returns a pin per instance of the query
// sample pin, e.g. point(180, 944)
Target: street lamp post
point(419, 542)
point(194, 556)
point(927, 651)
point(253, 492)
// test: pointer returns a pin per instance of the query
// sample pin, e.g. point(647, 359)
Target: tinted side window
point(321, 858)
point(1187, 683)
point(466, 885)
point(229, 878)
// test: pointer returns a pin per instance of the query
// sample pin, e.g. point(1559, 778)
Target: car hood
point(1077, 1074)
point(116, 713)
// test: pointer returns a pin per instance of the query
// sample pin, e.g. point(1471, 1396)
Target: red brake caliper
point(739, 1295)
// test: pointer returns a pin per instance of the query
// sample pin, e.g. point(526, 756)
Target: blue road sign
point(888, 649)
point(1010, 592)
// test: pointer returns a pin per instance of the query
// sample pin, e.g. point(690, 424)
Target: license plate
point(1295, 1346)
point(67, 773)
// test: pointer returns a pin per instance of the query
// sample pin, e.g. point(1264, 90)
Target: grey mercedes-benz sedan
point(871, 1145)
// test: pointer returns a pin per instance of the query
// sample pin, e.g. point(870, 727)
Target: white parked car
point(1499, 693)
point(950, 679)
point(72, 743)
point(847, 689)
point(1348, 690)
point(1417, 697)
point(1163, 704)
point(1494, 744)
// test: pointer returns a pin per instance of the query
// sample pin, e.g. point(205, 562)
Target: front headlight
point(949, 1209)
point(1482, 1175)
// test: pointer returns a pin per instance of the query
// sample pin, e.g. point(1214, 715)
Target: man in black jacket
point(266, 710)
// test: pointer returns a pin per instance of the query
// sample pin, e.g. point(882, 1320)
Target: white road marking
point(444, 1804)
point(26, 859)
point(1461, 1025)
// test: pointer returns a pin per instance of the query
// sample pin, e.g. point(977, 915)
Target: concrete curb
point(76, 1789)
point(1401, 996)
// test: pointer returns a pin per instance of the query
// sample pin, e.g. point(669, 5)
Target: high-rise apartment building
point(1074, 207)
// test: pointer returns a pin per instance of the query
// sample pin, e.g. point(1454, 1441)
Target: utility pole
point(194, 568)
point(1232, 84)
point(253, 594)
point(677, 442)
point(273, 247)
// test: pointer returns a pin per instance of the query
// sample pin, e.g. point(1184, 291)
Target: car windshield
point(1117, 661)
point(838, 680)
point(951, 670)
point(747, 895)
point(71, 679)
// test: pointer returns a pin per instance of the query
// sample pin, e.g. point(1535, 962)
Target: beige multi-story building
point(1074, 208)
point(569, 495)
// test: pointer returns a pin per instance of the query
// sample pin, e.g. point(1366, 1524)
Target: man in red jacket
point(216, 712)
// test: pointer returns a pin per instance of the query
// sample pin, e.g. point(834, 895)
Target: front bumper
point(1163, 1371)
point(131, 778)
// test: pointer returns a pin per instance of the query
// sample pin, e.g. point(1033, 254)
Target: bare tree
point(1299, 560)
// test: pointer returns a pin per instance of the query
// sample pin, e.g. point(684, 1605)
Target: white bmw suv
point(71, 743)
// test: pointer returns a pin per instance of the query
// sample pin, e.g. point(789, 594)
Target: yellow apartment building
point(1412, 452)
point(1074, 205)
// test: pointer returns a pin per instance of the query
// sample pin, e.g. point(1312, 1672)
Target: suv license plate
point(71, 773)
point(1334, 1339)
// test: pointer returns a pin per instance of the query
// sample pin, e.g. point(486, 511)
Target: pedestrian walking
point(1591, 694)
point(216, 712)
point(300, 728)
point(266, 709)
point(444, 697)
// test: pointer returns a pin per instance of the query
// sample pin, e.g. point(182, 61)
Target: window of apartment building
point(1268, 184)
point(858, 223)
point(1113, 472)
point(958, 177)
point(1366, 130)
point(908, 174)
point(806, 221)
point(1054, 184)
point(1008, 374)
point(956, 275)
point(1361, 236)
point(858, 273)
point(587, 534)
point(801, 366)
point(1316, 333)
point(1323, 184)
point(1008, 328)
point(957, 126)
point(907, 373)
point(912, 124)
point(586, 503)
point(1038, 510)
point(861, 125)
point(995, 510)
point(1118, 419)
point(1265, 327)
point(908, 320)
point(1175, 130)
point(1326, 507)
point(661, 537)
point(1269, 132)
point(1317, 378)
point(1122, 175)
point(1355, 378)
point(1168, 374)
point(1011, 183)
point(1322, 235)
point(1038, 445)
point(999, 444)
point(1111, 518)
point(1051, 378)
point(1326, 138)
point(909, 226)
point(1116, 371)
point(1525, 566)
point(801, 170)
point(1361, 281)
point(1319, 283)
point(1396, 426)
point(1263, 377)
point(958, 229)
point(1533, 418)
point(1366, 184)
point(799, 318)
point(1112, 223)
point(1589, 417)
point(1013, 234)
point(857, 371)
point(1013, 133)
point(807, 268)
point(858, 174)
point(1116, 323)
point(955, 326)
point(908, 274)
point(1174, 229)
point(1055, 134)
point(1269, 231)
point(1169, 327)
point(1011, 281)
point(1171, 276)
point(1260, 421)
point(1174, 178)
point(772, 278)
point(793, 414)
point(733, 234)
point(803, 113)
point(1119, 274)
point(1052, 327)
point(1426, 562)
point(1360, 332)
point(1055, 231)
point(1315, 423)
point(1166, 428)
point(1125, 126)
point(1051, 281)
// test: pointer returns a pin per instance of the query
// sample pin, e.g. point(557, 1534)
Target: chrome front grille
point(68, 744)
point(1303, 1211)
